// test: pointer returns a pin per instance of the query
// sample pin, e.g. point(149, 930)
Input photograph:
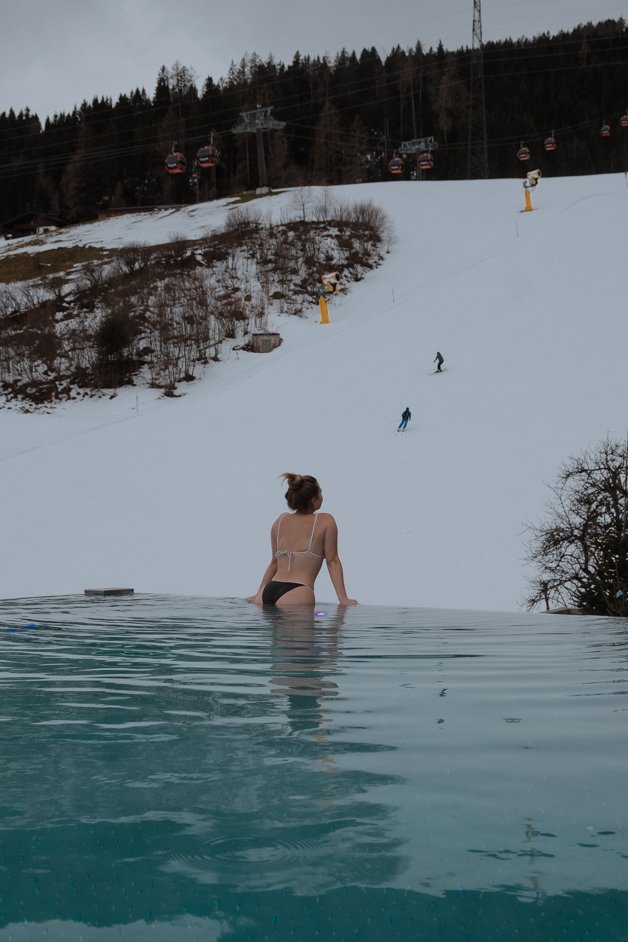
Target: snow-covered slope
point(178, 495)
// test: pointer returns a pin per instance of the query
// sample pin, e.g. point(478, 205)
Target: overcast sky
point(55, 53)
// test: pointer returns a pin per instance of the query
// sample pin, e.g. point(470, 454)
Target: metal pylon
point(256, 122)
point(477, 152)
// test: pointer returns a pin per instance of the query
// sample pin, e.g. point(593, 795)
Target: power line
point(276, 82)
point(148, 139)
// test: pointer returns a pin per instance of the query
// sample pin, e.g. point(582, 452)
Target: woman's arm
point(334, 565)
point(271, 569)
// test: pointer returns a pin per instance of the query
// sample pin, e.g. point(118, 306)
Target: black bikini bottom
point(274, 590)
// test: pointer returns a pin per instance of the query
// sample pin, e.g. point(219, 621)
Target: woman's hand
point(256, 599)
point(349, 602)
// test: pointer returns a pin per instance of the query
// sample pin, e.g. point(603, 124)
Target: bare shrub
point(373, 221)
point(161, 339)
point(131, 257)
point(242, 220)
point(33, 295)
point(10, 302)
point(57, 286)
point(301, 202)
point(93, 276)
point(77, 345)
point(113, 339)
point(324, 207)
point(30, 347)
point(259, 311)
point(178, 245)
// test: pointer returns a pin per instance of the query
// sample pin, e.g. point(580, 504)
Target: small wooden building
point(32, 224)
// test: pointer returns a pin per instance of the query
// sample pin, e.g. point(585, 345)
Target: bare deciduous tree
point(581, 550)
point(302, 201)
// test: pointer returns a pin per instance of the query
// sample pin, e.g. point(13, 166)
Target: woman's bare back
point(298, 543)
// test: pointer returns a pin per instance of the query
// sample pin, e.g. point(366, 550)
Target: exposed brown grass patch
point(24, 266)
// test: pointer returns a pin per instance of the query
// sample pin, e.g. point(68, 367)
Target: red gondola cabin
point(207, 156)
point(176, 162)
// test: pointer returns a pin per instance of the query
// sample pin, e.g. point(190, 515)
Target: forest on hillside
point(344, 120)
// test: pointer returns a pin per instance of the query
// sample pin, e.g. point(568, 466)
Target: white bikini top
point(292, 553)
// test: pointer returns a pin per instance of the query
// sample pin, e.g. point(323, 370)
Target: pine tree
point(278, 159)
point(356, 162)
point(328, 147)
point(74, 182)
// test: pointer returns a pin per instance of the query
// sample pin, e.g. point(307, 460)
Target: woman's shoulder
point(325, 517)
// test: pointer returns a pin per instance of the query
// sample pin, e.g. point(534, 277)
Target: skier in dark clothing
point(406, 415)
point(439, 359)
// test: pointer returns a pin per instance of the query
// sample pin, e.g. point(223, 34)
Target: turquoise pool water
point(198, 769)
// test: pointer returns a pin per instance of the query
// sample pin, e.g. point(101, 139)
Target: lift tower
point(477, 152)
point(256, 122)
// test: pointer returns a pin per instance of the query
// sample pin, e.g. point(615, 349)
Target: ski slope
point(178, 495)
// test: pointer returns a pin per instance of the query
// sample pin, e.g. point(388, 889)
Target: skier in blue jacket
point(406, 415)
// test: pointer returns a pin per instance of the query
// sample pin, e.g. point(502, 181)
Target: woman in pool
point(300, 542)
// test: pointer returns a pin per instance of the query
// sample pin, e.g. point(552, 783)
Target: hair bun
point(301, 491)
point(292, 479)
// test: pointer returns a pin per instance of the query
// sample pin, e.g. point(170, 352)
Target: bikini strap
point(309, 549)
point(281, 516)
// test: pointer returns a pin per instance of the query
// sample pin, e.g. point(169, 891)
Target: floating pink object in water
point(320, 614)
